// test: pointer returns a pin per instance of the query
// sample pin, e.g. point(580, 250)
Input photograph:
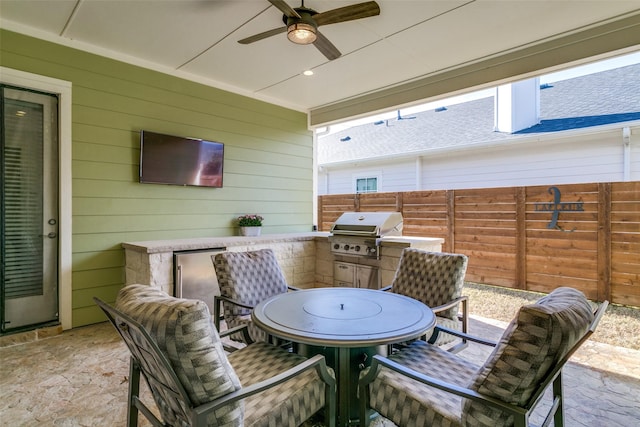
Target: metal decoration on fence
point(556, 207)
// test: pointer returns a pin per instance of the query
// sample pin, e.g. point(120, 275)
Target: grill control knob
point(346, 247)
point(336, 246)
point(357, 248)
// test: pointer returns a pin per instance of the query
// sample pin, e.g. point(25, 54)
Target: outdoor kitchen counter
point(159, 246)
point(305, 258)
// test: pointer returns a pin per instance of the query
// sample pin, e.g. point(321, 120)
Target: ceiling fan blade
point(285, 8)
point(260, 36)
point(326, 47)
point(347, 13)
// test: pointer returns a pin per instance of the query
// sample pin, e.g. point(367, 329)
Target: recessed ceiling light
point(307, 73)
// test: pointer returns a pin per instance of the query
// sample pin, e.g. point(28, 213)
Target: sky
point(596, 67)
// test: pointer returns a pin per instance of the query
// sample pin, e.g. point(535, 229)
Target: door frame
point(61, 88)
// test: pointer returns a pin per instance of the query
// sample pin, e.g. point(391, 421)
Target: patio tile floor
point(79, 378)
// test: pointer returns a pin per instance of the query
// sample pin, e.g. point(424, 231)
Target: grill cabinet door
point(344, 274)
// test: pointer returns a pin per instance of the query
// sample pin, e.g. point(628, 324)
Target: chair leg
point(216, 313)
point(558, 417)
point(465, 319)
point(365, 419)
point(134, 392)
point(329, 407)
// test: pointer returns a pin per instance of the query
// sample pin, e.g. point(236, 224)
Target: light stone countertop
point(159, 246)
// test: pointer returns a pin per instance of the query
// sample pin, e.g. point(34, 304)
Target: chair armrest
point(244, 329)
point(217, 312)
point(434, 382)
point(460, 334)
point(450, 304)
point(317, 362)
point(232, 301)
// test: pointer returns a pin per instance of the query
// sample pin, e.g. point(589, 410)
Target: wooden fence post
point(319, 215)
point(521, 237)
point(399, 202)
point(450, 242)
point(604, 241)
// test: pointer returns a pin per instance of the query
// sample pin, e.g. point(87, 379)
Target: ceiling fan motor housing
point(306, 16)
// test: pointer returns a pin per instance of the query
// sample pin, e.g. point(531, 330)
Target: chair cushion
point(287, 404)
point(184, 332)
point(435, 278)
point(409, 403)
point(534, 342)
point(249, 277)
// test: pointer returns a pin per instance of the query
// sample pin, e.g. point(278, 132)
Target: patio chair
point(436, 279)
point(176, 348)
point(424, 385)
point(245, 279)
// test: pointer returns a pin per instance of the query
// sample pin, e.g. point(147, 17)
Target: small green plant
point(250, 220)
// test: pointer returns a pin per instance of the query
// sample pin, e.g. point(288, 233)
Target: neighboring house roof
point(597, 99)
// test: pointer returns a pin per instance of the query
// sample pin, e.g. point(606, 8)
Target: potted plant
point(250, 224)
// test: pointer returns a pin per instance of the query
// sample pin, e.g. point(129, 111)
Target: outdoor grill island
point(366, 248)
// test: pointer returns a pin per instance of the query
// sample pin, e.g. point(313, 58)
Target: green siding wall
point(267, 170)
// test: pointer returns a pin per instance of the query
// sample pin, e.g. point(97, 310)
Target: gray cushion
point(535, 341)
point(248, 278)
point(184, 332)
point(409, 403)
point(287, 404)
point(435, 278)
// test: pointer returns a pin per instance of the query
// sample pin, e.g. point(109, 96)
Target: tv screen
point(167, 159)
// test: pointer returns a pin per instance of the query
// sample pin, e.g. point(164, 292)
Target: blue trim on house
point(556, 125)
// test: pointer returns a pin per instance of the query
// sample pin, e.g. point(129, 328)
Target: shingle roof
point(597, 99)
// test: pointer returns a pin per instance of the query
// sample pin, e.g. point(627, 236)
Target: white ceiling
point(409, 41)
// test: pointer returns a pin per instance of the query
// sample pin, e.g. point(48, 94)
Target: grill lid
point(368, 224)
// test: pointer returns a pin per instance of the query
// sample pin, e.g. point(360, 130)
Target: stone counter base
point(305, 258)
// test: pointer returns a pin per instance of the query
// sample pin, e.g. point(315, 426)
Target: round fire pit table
point(348, 326)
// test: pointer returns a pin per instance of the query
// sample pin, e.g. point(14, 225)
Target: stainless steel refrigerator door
point(195, 276)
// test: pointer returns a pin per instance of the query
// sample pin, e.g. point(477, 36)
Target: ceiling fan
point(301, 24)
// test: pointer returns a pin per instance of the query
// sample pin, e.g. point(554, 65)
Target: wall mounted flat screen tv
point(167, 159)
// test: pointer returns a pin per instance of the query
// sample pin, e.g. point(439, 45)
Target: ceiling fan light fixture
point(301, 33)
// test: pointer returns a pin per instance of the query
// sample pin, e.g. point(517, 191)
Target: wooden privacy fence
point(538, 238)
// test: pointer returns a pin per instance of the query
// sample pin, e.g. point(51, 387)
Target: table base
point(347, 363)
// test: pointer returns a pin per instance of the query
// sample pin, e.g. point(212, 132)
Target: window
point(366, 185)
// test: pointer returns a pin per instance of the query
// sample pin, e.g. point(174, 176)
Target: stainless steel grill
point(358, 233)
